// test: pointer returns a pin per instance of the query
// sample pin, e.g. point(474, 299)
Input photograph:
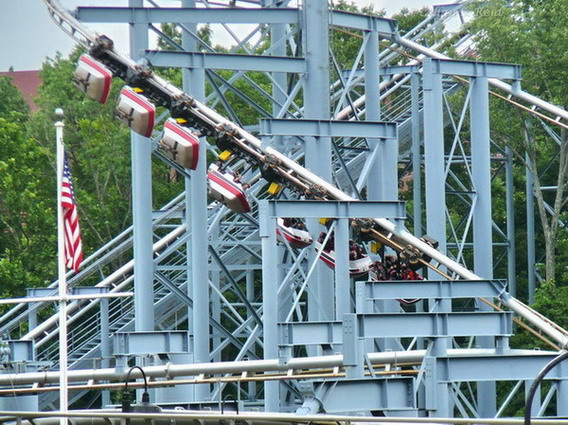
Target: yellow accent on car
point(225, 155)
point(274, 188)
point(375, 247)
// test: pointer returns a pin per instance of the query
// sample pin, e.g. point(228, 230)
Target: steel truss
point(199, 267)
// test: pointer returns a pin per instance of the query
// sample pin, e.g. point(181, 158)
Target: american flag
point(73, 246)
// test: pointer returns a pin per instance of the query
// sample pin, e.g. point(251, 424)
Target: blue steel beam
point(186, 15)
point(503, 71)
point(429, 289)
point(198, 60)
point(385, 27)
point(396, 325)
point(328, 128)
point(393, 393)
point(499, 367)
point(464, 68)
point(334, 209)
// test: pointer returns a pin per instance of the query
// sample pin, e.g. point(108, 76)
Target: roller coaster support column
point(318, 149)
point(531, 250)
point(434, 156)
point(194, 83)
point(416, 156)
point(382, 183)
point(279, 87)
point(142, 203)
point(269, 300)
point(342, 281)
point(482, 222)
point(511, 254)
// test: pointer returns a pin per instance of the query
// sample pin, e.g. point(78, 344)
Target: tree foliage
point(27, 211)
point(532, 33)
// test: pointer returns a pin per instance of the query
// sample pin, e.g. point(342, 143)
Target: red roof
point(28, 83)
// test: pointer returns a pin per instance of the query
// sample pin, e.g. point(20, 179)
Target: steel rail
point(88, 417)
point(169, 370)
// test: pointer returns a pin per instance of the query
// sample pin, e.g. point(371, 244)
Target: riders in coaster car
point(227, 188)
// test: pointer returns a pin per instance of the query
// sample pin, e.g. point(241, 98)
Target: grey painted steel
point(546, 106)
point(392, 290)
point(531, 248)
point(511, 252)
point(270, 281)
point(497, 367)
point(21, 351)
point(318, 159)
point(386, 27)
point(142, 203)
point(105, 336)
point(476, 69)
point(351, 395)
point(328, 128)
point(416, 154)
point(434, 157)
point(235, 62)
point(195, 83)
point(395, 325)
point(376, 181)
point(150, 343)
point(336, 209)
point(481, 173)
point(47, 325)
point(522, 308)
point(482, 220)
point(342, 280)
point(195, 369)
point(187, 15)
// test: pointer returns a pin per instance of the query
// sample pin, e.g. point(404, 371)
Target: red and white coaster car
point(224, 188)
point(357, 267)
point(93, 78)
point(136, 111)
point(297, 238)
point(180, 144)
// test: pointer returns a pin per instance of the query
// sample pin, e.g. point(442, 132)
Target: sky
point(28, 35)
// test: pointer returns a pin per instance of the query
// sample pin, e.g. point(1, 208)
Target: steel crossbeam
point(199, 60)
point(394, 325)
point(187, 15)
point(430, 289)
point(328, 128)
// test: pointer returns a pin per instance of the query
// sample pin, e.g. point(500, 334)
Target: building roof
point(27, 82)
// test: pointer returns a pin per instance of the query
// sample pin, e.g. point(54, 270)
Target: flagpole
point(63, 393)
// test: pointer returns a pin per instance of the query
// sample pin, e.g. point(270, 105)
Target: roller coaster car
point(293, 231)
point(357, 267)
point(180, 144)
point(224, 188)
point(136, 111)
point(93, 78)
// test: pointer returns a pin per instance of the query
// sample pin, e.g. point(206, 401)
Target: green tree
point(13, 106)
point(533, 34)
point(27, 212)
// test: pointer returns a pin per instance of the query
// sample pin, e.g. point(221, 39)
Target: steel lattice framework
point(216, 296)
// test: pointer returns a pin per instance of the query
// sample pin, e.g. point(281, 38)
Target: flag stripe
point(71, 230)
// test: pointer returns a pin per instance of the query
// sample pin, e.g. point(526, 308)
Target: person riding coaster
point(227, 188)
point(393, 269)
point(293, 231)
point(359, 262)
